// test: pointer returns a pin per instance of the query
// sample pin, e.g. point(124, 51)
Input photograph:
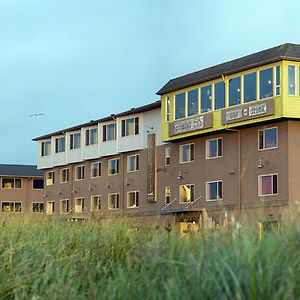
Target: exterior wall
point(26, 195)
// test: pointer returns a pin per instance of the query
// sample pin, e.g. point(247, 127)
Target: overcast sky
point(78, 60)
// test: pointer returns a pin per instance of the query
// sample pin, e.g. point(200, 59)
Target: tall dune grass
point(42, 259)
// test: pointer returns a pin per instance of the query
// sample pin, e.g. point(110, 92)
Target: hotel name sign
point(249, 111)
point(187, 125)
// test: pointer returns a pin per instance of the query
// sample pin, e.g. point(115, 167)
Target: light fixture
point(127, 182)
point(107, 185)
point(260, 164)
point(90, 188)
point(179, 176)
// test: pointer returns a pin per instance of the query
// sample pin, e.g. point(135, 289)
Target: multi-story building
point(21, 189)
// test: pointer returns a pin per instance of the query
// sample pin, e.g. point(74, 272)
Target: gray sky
point(78, 60)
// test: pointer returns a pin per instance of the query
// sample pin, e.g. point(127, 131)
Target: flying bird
point(36, 115)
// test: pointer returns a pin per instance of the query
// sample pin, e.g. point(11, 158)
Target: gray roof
point(20, 170)
point(285, 51)
point(131, 111)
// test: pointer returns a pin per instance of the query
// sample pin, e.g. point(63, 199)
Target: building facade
point(21, 189)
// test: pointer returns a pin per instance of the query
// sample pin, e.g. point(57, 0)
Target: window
point(79, 173)
point(60, 144)
point(46, 148)
point(75, 140)
point(186, 193)
point(267, 185)
point(11, 206)
point(79, 205)
point(219, 95)
point(50, 178)
point(133, 163)
point(64, 175)
point(113, 166)
point(214, 148)
point(179, 106)
point(109, 132)
point(95, 169)
point(38, 207)
point(266, 83)
point(277, 81)
point(214, 190)
point(113, 201)
point(193, 102)
point(91, 136)
point(186, 153)
point(250, 87)
point(49, 208)
point(167, 195)
point(267, 138)
point(96, 203)
point(167, 156)
point(206, 98)
point(168, 103)
point(11, 183)
point(132, 199)
point(291, 80)
point(64, 206)
point(235, 91)
point(38, 184)
point(130, 126)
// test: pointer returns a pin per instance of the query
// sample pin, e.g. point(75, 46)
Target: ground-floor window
point(267, 185)
point(79, 205)
point(113, 201)
point(214, 190)
point(186, 193)
point(49, 208)
point(167, 195)
point(96, 203)
point(132, 199)
point(64, 206)
point(38, 207)
point(11, 206)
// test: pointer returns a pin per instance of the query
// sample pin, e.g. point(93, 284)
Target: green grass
point(42, 259)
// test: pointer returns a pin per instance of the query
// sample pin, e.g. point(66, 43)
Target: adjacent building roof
point(131, 111)
point(20, 170)
point(285, 51)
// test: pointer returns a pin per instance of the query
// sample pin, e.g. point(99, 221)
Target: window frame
point(259, 190)
point(207, 183)
point(14, 206)
point(288, 81)
point(42, 153)
point(108, 167)
point(167, 195)
point(167, 108)
point(83, 168)
point(14, 183)
point(264, 130)
point(82, 205)
point(35, 189)
point(136, 163)
point(191, 153)
point(105, 131)
point(37, 202)
point(60, 206)
point(53, 208)
point(118, 201)
point(99, 170)
point(136, 126)
point(71, 142)
point(57, 144)
point(60, 175)
point(207, 148)
point(193, 196)
point(88, 136)
point(136, 199)
point(98, 201)
point(167, 156)
point(273, 83)
point(52, 179)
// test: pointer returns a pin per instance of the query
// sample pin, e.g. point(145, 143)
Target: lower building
point(21, 189)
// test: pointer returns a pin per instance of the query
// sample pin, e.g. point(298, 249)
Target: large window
point(11, 206)
point(133, 163)
point(292, 80)
point(79, 173)
point(132, 199)
point(250, 87)
point(46, 148)
point(235, 91)
point(79, 205)
point(11, 183)
point(186, 193)
point(214, 190)
point(267, 185)
point(130, 126)
point(109, 132)
point(38, 207)
point(167, 195)
point(219, 95)
point(193, 102)
point(277, 81)
point(64, 175)
point(95, 169)
point(38, 184)
point(64, 206)
point(168, 104)
point(206, 98)
point(214, 148)
point(167, 156)
point(179, 106)
point(91, 136)
point(113, 166)
point(60, 144)
point(96, 203)
point(75, 140)
point(49, 208)
point(266, 83)
point(50, 178)
point(186, 153)
point(267, 138)
point(113, 201)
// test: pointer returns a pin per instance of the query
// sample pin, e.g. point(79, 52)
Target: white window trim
point(41, 147)
point(168, 187)
point(53, 208)
point(190, 184)
point(169, 156)
point(167, 114)
point(37, 202)
point(97, 136)
point(264, 129)
point(206, 190)
point(96, 162)
point(135, 170)
point(99, 196)
point(293, 95)
point(109, 168)
point(60, 175)
point(60, 206)
point(180, 153)
point(14, 202)
point(76, 179)
point(207, 148)
point(130, 192)
point(37, 189)
point(53, 178)
point(14, 188)
point(127, 118)
point(115, 132)
point(259, 185)
point(57, 138)
point(108, 201)
point(73, 133)
point(82, 209)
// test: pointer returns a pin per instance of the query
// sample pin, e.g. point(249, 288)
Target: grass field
point(42, 259)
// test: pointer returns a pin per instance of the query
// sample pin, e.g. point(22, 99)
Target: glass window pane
point(220, 190)
point(277, 80)
point(212, 190)
point(179, 106)
point(271, 138)
point(193, 102)
point(275, 184)
point(250, 87)
point(130, 126)
point(76, 141)
point(266, 182)
point(206, 98)
point(219, 95)
point(266, 83)
point(234, 91)
point(291, 79)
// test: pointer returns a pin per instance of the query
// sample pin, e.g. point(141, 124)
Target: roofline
point(140, 109)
